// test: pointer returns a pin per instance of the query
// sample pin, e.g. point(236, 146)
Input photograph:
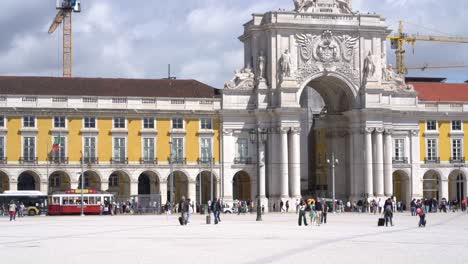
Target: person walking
point(287, 206)
point(216, 208)
point(325, 209)
point(422, 217)
point(281, 206)
point(12, 211)
point(187, 212)
point(297, 206)
point(313, 214)
point(21, 209)
point(302, 217)
point(413, 207)
point(388, 213)
point(182, 208)
point(319, 210)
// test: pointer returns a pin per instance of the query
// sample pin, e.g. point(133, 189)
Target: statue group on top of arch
point(243, 79)
point(327, 52)
point(314, 6)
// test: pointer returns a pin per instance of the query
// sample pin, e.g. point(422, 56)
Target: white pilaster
point(133, 187)
point(284, 182)
point(379, 163)
point(294, 166)
point(369, 187)
point(13, 185)
point(444, 189)
point(163, 191)
point(191, 192)
point(105, 186)
point(415, 159)
point(388, 177)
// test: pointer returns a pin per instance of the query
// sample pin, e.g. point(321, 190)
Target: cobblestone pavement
point(347, 238)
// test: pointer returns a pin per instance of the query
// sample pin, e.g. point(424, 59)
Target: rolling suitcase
point(381, 222)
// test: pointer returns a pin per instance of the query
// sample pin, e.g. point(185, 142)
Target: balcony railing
point(149, 161)
point(400, 160)
point(119, 161)
point(28, 160)
point(58, 160)
point(181, 161)
point(205, 161)
point(242, 160)
point(432, 160)
point(91, 160)
point(457, 160)
point(3, 160)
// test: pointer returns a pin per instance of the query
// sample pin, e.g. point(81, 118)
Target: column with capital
point(369, 183)
point(192, 190)
point(294, 164)
point(163, 191)
point(388, 163)
point(416, 186)
point(379, 163)
point(284, 181)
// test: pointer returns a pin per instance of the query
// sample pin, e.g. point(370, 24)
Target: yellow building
point(121, 133)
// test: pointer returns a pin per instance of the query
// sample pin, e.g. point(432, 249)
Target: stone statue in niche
point(368, 70)
point(286, 64)
point(243, 79)
point(261, 62)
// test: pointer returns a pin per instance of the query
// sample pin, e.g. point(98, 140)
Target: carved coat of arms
point(327, 52)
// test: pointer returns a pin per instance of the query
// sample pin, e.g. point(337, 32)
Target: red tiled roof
point(17, 85)
point(445, 92)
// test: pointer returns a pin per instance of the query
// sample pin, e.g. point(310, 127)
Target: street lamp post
point(258, 136)
point(333, 163)
point(171, 179)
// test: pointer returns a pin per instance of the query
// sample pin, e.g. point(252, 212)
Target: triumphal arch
point(315, 82)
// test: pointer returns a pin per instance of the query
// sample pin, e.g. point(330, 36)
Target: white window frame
point(125, 145)
point(452, 148)
point(461, 126)
point(238, 154)
point(143, 148)
point(34, 120)
point(172, 123)
point(432, 130)
point(65, 146)
point(65, 122)
point(114, 181)
point(183, 146)
point(124, 122)
point(402, 149)
point(22, 145)
point(95, 145)
point(200, 152)
point(201, 123)
point(143, 123)
point(95, 122)
point(436, 148)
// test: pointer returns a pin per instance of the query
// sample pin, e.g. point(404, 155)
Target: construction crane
point(427, 66)
point(64, 16)
point(398, 44)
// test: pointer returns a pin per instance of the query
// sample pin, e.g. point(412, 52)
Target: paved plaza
point(347, 238)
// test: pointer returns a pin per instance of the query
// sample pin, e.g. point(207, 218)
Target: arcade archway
point(59, 181)
point(119, 185)
point(29, 181)
point(180, 186)
point(242, 186)
point(401, 187)
point(92, 181)
point(4, 182)
point(457, 185)
point(431, 185)
point(205, 187)
point(148, 183)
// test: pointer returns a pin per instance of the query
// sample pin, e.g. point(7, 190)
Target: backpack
point(418, 211)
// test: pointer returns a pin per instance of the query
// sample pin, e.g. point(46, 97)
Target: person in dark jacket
point(183, 207)
point(388, 213)
point(216, 208)
point(319, 209)
point(302, 217)
point(325, 208)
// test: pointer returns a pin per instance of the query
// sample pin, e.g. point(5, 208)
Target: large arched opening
point(4, 182)
point(29, 181)
point(431, 185)
point(242, 186)
point(59, 181)
point(457, 185)
point(119, 185)
point(148, 183)
point(325, 98)
point(401, 187)
point(180, 186)
point(92, 181)
point(204, 187)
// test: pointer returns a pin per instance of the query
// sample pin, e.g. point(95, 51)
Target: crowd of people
point(13, 210)
point(317, 209)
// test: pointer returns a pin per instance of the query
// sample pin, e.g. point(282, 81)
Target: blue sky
point(137, 39)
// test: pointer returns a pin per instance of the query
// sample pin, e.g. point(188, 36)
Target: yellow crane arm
point(57, 21)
